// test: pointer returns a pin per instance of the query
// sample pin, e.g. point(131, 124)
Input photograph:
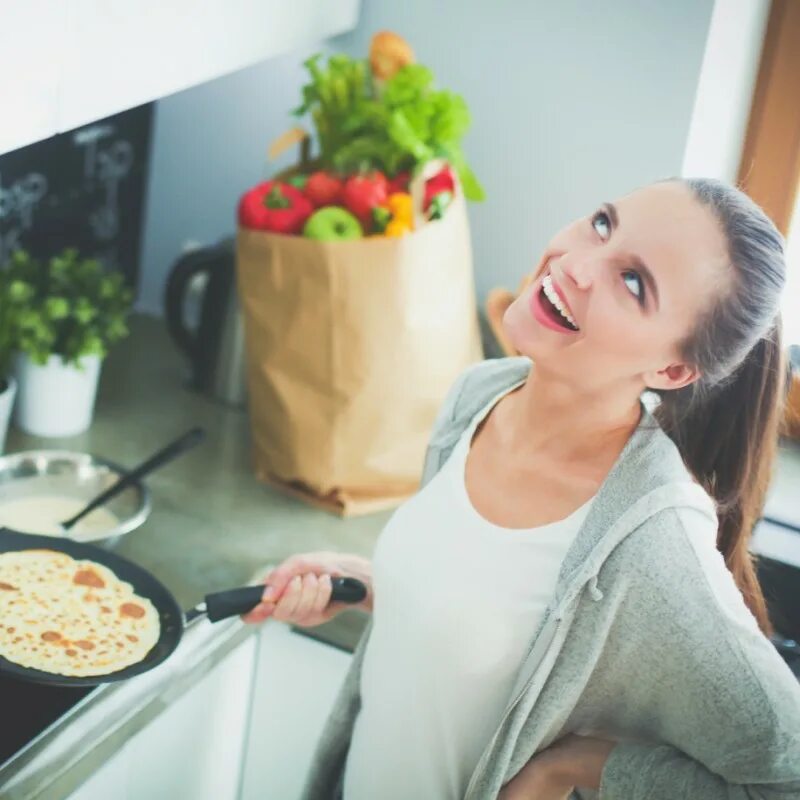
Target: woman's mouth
point(548, 308)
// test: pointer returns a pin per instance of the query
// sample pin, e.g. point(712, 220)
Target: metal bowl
point(62, 473)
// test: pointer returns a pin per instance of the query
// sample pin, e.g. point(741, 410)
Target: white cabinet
point(30, 53)
point(193, 750)
point(66, 64)
point(296, 682)
point(245, 731)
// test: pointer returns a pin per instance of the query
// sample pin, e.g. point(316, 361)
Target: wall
point(572, 103)
point(209, 145)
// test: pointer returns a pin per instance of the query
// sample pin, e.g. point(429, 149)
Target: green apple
point(332, 223)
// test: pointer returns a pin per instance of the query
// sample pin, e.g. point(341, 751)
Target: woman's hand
point(537, 780)
point(553, 773)
point(298, 591)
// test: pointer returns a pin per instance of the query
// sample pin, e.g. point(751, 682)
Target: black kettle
point(215, 348)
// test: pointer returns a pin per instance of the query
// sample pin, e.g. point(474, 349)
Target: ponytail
point(728, 437)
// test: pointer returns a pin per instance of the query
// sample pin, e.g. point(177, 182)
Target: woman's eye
point(602, 219)
point(631, 275)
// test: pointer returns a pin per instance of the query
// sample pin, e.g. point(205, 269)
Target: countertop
point(213, 526)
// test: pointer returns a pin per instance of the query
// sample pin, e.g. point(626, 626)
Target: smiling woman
point(628, 274)
point(675, 289)
point(609, 543)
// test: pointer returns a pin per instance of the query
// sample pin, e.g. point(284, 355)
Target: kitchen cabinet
point(29, 83)
point(73, 63)
point(193, 750)
point(295, 684)
point(244, 731)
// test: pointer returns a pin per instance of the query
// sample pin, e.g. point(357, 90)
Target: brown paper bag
point(351, 348)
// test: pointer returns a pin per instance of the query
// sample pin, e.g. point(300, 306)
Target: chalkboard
point(84, 188)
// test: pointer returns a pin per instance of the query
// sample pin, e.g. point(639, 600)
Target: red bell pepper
point(443, 181)
point(274, 206)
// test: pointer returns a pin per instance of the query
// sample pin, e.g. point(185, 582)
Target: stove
point(29, 709)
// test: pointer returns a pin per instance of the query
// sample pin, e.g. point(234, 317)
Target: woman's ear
point(674, 376)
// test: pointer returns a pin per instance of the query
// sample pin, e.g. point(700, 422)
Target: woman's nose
point(579, 271)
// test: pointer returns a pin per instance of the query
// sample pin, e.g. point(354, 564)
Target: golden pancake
point(69, 617)
point(36, 565)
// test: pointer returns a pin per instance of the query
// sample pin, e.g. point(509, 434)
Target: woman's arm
point(627, 771)
point(711, 710)
point(662, 772)
point(717, 709)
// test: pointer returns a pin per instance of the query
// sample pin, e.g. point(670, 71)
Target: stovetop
point(29, 709)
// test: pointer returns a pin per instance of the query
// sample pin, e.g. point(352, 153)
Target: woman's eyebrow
point(611, 210)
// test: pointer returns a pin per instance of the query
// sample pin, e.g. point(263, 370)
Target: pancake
point(36, 565)
point(69, 617)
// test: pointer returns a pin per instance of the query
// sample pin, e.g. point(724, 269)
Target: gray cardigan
point(646, 641)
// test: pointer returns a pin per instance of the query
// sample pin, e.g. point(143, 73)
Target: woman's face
point(629, 323)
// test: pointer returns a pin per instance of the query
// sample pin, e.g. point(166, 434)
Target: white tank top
point(457, 599)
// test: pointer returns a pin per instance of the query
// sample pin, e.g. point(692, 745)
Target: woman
point(568, 604)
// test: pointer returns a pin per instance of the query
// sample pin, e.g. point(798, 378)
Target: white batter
point(44, 515)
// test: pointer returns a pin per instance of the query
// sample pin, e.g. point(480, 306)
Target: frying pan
point(218, 606)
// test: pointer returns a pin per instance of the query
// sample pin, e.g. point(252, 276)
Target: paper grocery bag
point(351, 348)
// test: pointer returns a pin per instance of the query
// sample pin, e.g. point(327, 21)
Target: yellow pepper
point(399, 203)
point(397, 227)
point(395, 216)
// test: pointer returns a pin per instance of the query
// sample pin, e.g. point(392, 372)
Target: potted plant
point(64, 313)
point(8, 386)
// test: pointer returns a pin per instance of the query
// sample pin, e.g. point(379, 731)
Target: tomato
point(324, 189)
point(362, 193)
point(399, 183)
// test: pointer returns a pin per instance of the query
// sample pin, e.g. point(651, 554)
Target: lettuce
point(399, 128)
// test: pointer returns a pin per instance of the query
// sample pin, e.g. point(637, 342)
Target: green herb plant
point(67, 306)
point(399, 127)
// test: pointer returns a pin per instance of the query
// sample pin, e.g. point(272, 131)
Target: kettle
point(215, 348)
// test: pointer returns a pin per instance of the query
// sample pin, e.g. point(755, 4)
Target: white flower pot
point(6, 404)
point(55, 399)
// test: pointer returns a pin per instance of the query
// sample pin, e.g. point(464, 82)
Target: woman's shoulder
point(480, 381)
point(472, 388)
point(674, 536)
point(494, 370)
point(673, 559)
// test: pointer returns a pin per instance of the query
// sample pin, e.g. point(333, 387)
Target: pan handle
point(232, 602)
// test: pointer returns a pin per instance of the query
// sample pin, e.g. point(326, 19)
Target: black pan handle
point(233, 602)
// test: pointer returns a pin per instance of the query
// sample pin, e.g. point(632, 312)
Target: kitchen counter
point(213, 526)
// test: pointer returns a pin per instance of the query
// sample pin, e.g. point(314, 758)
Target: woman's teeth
point(553, 297)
